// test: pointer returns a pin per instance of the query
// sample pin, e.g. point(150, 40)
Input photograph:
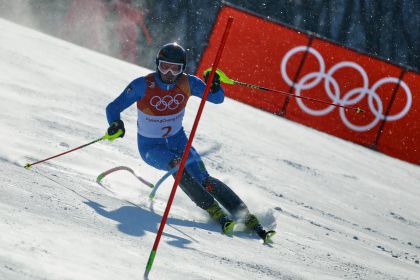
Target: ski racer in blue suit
point(161, 98)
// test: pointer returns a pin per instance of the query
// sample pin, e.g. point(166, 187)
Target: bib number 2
point(167, 130)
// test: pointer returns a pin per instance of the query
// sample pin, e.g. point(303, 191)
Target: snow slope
point(341, 211)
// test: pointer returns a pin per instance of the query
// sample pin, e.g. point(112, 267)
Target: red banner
point(271, 55)
point(252, 55)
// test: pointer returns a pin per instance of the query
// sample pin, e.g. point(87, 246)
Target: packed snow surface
point(341, 211)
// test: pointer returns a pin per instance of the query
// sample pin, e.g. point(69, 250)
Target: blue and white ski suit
point(161, 137)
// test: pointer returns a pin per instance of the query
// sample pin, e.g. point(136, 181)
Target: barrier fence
point(276, 56)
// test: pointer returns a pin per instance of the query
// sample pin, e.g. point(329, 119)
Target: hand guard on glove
point(115, 127)
point(215, 85)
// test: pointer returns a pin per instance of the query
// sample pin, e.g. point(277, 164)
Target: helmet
point(172, 52)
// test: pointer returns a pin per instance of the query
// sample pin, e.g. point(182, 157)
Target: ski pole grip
point(113, 136)
point(223, 77)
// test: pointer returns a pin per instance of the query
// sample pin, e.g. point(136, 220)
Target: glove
point(115, 127)
point(215, 85)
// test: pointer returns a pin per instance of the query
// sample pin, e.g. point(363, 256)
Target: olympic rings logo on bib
point(349, 98)
point(167, 102)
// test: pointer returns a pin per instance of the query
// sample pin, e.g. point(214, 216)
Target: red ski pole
point(187, 149)
point(108, 137)
point(225, 79)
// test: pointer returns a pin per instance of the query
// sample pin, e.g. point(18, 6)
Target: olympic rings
point(348, 98)
point(167, 102)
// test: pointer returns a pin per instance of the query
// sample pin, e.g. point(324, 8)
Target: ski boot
point(220, 216)
point(252, 223)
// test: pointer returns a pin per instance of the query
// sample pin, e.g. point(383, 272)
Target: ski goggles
point(166, 66)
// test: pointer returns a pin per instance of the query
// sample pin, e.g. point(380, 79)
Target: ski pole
point(187, 149)
point(105, 137)
point(225, 79)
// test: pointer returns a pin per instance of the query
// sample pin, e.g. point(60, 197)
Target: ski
point(118, 168)
point(164, 177)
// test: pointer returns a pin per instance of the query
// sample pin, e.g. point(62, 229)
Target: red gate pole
point(187, 148)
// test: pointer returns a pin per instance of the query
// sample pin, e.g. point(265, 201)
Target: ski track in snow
point(341, 211)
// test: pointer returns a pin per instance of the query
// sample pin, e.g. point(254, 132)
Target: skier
point(161, 99)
